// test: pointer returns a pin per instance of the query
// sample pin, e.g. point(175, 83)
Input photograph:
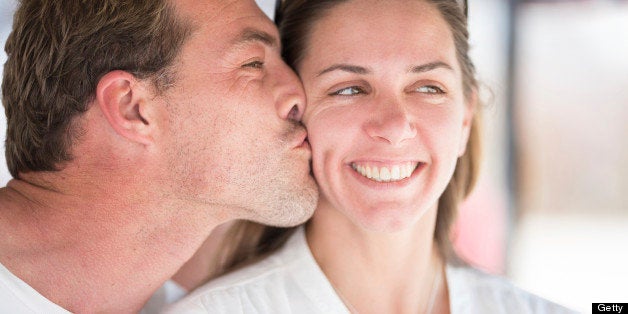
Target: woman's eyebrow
point(345, 67)
point(362, 70)
point(430, 66)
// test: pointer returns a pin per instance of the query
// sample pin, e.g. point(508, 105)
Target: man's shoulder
point(474, 291)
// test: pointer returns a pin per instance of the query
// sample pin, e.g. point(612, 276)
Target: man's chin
point(292, 210)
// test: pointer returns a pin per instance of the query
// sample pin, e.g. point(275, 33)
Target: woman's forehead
point(375, 30)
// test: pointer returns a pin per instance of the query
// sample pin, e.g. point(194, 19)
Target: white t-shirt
point(290, 281)
point(16, 296)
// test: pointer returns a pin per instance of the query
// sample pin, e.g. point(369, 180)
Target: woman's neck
point(379, 272)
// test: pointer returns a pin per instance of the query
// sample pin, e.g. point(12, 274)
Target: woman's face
point(386, 114)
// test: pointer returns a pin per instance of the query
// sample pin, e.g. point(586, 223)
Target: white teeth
point(395, 173)
point(385, 174)
point(375, 174)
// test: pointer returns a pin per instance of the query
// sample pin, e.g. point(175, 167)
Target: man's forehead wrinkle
point(226, 5)
point(263, 24)
point(210, 12)
point(254, 34)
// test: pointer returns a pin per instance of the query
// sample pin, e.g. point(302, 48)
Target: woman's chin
point(388, 220)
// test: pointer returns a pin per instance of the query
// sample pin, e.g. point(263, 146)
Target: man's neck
point(90, 253)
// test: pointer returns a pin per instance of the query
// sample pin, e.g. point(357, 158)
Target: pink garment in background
point(479, 234)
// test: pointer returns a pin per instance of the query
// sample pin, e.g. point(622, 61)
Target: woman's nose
point(391, 122)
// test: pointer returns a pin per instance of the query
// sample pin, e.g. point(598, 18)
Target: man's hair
point(247, 242)
point(57, 52)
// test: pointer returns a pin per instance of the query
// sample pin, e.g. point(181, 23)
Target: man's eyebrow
point(345, 67)
point(256, 35)
point(430, 66)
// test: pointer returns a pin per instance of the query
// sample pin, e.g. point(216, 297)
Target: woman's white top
point(290, 281)
point(167, 294)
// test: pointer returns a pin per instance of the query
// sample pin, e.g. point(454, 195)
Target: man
point(134, 128)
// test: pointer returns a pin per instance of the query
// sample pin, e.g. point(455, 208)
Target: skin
point(390, 96)
point(235, 88)
point(153, 174)
point(197, 270)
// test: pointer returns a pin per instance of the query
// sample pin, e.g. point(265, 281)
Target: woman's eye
point(254, 65)
point(430, 89)
point(348, 91)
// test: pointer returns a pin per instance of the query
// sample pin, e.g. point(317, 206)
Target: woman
point(392, 120)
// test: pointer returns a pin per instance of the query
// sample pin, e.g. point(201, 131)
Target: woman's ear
point(470, 107)
point(125, 102)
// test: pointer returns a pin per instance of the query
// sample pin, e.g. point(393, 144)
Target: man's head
point(57, 53)
point(197, 89)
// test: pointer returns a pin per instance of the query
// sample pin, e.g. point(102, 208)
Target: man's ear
point(470, 106)
point(124, 100)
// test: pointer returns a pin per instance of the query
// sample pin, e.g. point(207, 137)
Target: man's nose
point(290, 95)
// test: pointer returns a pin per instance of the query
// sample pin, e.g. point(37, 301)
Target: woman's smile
point(385, 172)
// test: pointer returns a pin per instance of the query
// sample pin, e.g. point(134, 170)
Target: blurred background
point(551, 209)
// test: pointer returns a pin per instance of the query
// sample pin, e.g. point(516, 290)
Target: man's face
point(234, 141)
